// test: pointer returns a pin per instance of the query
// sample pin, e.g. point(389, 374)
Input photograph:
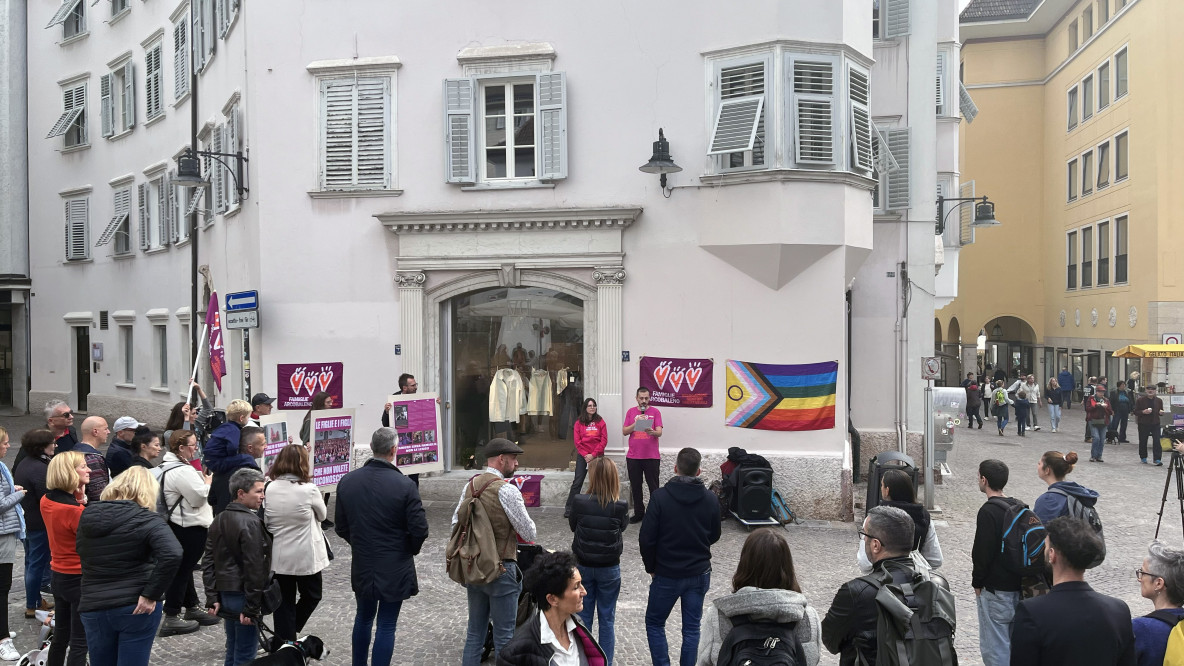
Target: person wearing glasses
point(59, 418)
point(1161, 581)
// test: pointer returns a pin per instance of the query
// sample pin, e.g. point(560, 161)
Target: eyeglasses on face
point(1139, 573)
point(865, 535)
point(64, 415)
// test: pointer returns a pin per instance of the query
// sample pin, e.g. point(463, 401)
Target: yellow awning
point(1150, 351)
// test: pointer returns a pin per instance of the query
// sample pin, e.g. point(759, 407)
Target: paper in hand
point(643, 424)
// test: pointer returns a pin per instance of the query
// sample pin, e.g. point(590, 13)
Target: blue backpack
point(1022, 539)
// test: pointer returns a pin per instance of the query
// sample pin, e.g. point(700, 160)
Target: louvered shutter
point(966, 213)
point(881, 155)
point(813, 85)
point(118, 218)
point(899, 196)
point(198, 36)
point(895, 18)
point(552, 107)
point(154, 92)
point(459, 144)
point(337, 133)
point(233, 145)
point(180, 59)
point(162, 212)
point(77, 234)
point(63, 11)
point(941, 84)
point(106, 105)
point(861, 121)
point(966, 104)
point(143, 192)
point(170, 208)
point(129, 96)
point(196, 195)
point(371, 168)
point(217, 176)
point(210, 29)
point(73, 104)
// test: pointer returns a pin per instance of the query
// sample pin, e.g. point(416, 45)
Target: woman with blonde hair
point(129, 557)
point(1053, 393)
point(299, 550)
point(61, 507)
point(186, 499)
point(598, 519)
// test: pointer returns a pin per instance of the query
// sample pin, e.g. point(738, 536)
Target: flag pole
point(196, 361)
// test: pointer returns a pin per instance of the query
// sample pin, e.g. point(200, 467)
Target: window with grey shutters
point(552, 121)
point(966, 104)
point(941, 84)
point(232, 143)
point(227, 11)
point(159, 214)
point(128, 110)
point(144, 218)
point(118, 229)
point(117, 99)
point(861, 121)
point(894, 18)
point(217, 174)
point(119, 6)
point(172, 222)
point(739, 132)
point(458, 127)
point(77, 230)
point(72, 123)
point(71, 15)
point(813, 103)
point(899, 196)
point(355, 133)
point(181, 72)
point(106, 105)
point(153, 83)
point(205, 36)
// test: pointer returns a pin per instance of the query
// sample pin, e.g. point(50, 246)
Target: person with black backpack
point(766, 620)
point(997, 585)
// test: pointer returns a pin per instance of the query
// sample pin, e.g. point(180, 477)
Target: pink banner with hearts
point(677, 382)
point(299, 382)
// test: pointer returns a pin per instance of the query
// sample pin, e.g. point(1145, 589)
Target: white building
point(394, 225)
point(14, 212)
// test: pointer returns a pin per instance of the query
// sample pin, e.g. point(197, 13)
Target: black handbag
point(273, 597)
point(328, 548)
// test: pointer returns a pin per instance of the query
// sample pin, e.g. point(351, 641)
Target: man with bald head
point(94, 432)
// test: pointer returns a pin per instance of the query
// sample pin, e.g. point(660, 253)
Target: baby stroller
point(39, 656)
point(526, 603)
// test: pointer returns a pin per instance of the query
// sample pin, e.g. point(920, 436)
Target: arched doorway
point(955, 336)
point(937, 333)
point(1010, 346)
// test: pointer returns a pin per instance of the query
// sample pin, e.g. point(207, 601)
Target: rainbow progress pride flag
point(781, 397)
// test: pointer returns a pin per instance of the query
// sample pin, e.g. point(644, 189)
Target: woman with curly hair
point(556, 635)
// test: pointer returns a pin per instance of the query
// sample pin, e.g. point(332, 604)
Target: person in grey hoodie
point(1052, 469)
point(764, 589)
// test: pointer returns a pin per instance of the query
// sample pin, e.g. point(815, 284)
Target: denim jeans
point(663, 593)
point(1054, 416)
point(497, 601)
point(242, 640)
point(1098, 433)
point(384, 638)
point(115, 637)
point(996, 610)
point(603, 585)
point(36, 566)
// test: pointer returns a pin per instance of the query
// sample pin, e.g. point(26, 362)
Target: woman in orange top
point(591, 437)
point(61, 507)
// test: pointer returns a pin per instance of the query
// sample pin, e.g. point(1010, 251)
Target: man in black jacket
point(996, 589)
point(849, 628)
point(236, 567)
point(1072, 624)
point(680, 525)
point(379, 514)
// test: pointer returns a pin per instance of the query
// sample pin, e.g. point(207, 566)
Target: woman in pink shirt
point(591, 437)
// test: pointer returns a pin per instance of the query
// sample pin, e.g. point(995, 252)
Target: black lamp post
point(661, 162)
point(984, 212)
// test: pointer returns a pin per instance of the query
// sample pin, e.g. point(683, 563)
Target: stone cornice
point(552, 219)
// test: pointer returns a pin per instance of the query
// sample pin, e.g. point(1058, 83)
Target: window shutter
point(64, 11)
point(162, 212)
point(552, 90)
point(861, 120)
point(967, 213)
point(196, 11)
point(170, 207)
point(210, 29)
point(143, 192)
point(736, 122)
point(234, 145)
point(73, 103)
point(337, 128)
point(966, 104)
point(106, 105)
point(882, 157)
point(77, 237)
point(129, 96)
point(180, 59)
point(899, 198)
point(896, 18)
point(195, 199)
point(154, 94)
point(459, 161)
point(372, 140)
point(813, 110)
point(217, 176)
point(941, 84)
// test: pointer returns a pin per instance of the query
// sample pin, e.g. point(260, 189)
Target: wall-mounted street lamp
point(661, 162)
point(189, 169)
point(996, 332)
point(984, 212)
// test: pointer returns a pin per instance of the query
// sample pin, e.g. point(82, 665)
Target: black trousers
point(68, 631)
point(636, 468)
point(577, 483)
point(971, 415)
point(182, 592)
point(1149, 432)
point(5, 586)
point(292, 615)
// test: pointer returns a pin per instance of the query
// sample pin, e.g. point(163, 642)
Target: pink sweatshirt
point(591, 438)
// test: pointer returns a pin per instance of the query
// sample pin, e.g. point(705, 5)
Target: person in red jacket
point(61, 507)
point(591, 436)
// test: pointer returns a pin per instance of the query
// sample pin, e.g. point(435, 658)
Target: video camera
point(1174, 433)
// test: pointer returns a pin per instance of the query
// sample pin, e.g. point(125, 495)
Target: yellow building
point(1076, 142)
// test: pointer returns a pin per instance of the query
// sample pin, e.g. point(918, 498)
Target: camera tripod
point(1175, 471)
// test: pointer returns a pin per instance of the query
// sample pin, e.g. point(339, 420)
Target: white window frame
point(1103, 12)
point(1071, 253)
point(1087, 23)
point(1072, 178)
point(507, 85)
point(1086, 97)
point(232, 143)
point(154, 80)
point(942, 85)
point(77, 220)
point(119, 7)
point(203, 37)
point(117, 98)
point(1126, 135)
point(351, 82)
point(227, 12)
point(1103, 252)
point(1072, 108)
point(182, 54)
point(1102, 150)
point(1087, 173)
point(160, 353)
point(127, 349)
point(800, 101)
point(73, 17)
point(748, 157)
point(1086, 234)
point(1074, 37)
point(1122, 75)
point(1124, 218)
point(118, 231)
point(1103, 87)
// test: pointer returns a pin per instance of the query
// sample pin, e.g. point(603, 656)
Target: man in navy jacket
point(681, 523)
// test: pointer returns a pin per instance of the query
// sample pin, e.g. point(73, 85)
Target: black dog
point(309, 647)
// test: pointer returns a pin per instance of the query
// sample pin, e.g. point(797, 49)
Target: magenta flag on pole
point(217, 351)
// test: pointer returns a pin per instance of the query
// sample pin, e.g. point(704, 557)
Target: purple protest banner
point(299, 382)
point(677, 382)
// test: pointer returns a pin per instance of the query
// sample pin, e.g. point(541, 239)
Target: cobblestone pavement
point(432, 625)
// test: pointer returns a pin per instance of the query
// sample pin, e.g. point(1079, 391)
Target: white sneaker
point(8, 651)
point(1036, 428)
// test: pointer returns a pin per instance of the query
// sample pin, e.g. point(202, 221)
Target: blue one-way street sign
point(242, 300)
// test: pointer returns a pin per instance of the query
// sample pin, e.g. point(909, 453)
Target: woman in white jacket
point(764, 589)
point(190, 515)
point(299, 549)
